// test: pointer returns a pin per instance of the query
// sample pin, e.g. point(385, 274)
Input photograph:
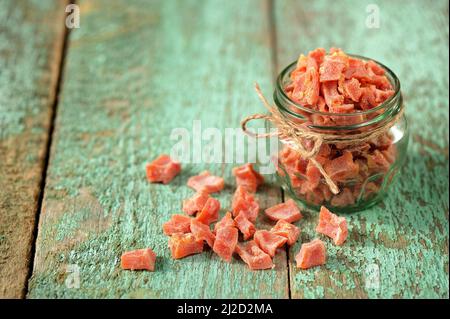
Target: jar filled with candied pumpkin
point(342, 132)
point(355, 105)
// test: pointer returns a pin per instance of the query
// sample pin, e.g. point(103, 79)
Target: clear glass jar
point(378, 160)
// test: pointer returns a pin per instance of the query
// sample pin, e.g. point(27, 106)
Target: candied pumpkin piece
point(163, 169)
point(375, 68)
point(368, 97)
point(324, 151)
point(226, 221)
point(315, 197)
point(140, 259)
point(253, 256)
point(326, 192)
point(246, 227)
point(195, 203)
point(358, 149)
point(352, 119)
point(390, 153)
point(182, 245)
point(287, 230)
point(382, 95)
point(247, 177)
point(225, 243)
point(313, 176)
point(331, 94)
point(332, 226)
point(337, 52)
point(292, 160)
point(202, 231)
point(357, 69)
point(206, 182)
point(343, 108)
point(344, 198)
point(380, 81)
point(177, 224)
point(287, 211)
point(331, 68)
point(383, 141)
point(268, 241)
point(377, 162)
point(302, 63)
point(311, 254)
point(297, 182)
point(342, 167)
point(244, 203)
point(318, 55)
point(322, 105)
point(209, 212)
point(307, 87)
point(352, 89)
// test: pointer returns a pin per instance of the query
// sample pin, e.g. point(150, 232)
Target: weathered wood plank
point(31, 38)
point(403, 241)
point(135, 71)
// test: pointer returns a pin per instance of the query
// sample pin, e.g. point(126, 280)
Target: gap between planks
point(48, 146)
point(274, 61)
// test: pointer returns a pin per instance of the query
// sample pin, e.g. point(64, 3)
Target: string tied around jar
point(288, 130)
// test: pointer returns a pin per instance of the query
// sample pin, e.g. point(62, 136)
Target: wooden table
point(82, 111)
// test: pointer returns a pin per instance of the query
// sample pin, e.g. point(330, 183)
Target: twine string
point(299, 134)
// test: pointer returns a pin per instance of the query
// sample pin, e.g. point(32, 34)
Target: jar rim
point(390, 102)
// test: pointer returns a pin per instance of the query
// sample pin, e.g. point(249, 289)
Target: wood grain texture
point(404, 240)
point(135, 71)
point(31, 38)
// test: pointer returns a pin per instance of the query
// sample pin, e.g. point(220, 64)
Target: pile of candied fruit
point(235, 233)
point(331, 85)
point(338, 83)
point(326, 86)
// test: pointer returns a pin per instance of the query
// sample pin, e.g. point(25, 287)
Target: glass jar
point(367, 168)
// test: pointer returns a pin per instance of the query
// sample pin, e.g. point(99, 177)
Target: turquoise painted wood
point(31, 37)
point(135, 71)
point(398, 249)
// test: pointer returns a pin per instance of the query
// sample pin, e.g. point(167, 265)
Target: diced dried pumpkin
point(140, 259)
point(206, 182)
point(287, 211)
point(287, 230)
point(245, 203)
point(245, 226)
point(311, 254)
point(209, 212)
point(253, 256)
point(202, 231)
point(225, 243)
point(163, 169)
point(182, 245)
point(177, 224)
point(195, 203)
point(268, 241)
point(332, 225)
point(247, 177)
point(342, 167)
point(226, 221)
